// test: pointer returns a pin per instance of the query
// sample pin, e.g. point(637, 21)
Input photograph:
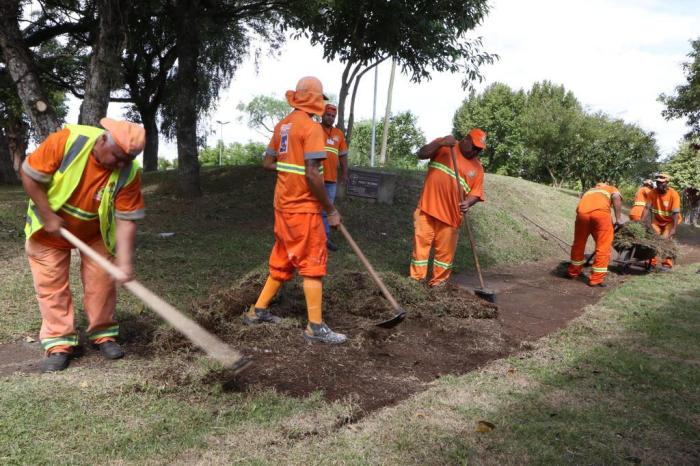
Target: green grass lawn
point(619, 383)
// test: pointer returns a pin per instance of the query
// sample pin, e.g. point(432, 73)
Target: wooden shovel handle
point(209, 343)
point(369, 268)
point(466, 220)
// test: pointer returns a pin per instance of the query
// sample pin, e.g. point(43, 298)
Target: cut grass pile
point(643, 237)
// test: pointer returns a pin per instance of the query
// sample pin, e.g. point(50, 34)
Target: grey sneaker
point(321, 332)
point(259, 316)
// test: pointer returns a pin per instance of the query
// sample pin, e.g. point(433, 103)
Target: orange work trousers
point(50, 269)
point(661, 230)
point(430, 231)
point(300, 244)
point(598, 224)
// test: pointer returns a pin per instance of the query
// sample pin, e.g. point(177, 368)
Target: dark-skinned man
point(663, 212)
point(295, 152)
point(593, 219)
point(83, 179)
point(438, 216)
point(336, 152)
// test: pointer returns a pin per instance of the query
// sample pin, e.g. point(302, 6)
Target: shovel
point(213, 346)
point(400, 312)
point(481, 292)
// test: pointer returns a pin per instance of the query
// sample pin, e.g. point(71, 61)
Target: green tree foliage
point(544, 135)
point(686, 101)
point(405, 138)
point(263, 112)
point(165, 164)
point(235, 153)
point(684, 165)
point(421, 35)
point(497, 111)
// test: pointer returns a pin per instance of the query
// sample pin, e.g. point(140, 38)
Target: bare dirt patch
point(448, 331)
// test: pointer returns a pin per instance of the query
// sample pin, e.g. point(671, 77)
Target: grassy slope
point(129, 412)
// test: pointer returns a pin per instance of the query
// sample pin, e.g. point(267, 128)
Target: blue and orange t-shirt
point(296, 138)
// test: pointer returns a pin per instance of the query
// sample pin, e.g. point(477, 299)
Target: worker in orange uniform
point(83, 179)
point(593, 218)
point(296, 151)
point(663, 211)
point(438, 216)
point(336, 152)
point(640, 200)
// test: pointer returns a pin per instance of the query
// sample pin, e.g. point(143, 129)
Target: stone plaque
point(363, 184)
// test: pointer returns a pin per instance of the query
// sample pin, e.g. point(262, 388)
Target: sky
point(616, 56)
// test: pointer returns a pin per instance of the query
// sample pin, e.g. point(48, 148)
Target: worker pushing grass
point(437, 217)
point(593, 219)
point(295, 152)
point(85, 180)
point(663, 212)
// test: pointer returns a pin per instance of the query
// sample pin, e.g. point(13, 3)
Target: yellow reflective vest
point(66, 178)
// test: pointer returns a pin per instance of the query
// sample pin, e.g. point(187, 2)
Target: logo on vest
point(666, 203)
point(471, 173)
point(98, 194)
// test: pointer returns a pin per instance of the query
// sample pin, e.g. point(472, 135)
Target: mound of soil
point(448, 331)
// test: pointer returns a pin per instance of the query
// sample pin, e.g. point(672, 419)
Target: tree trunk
point(104, 64)
point(7, 171)
point(351, 117)
point(17, 133)
point(343, 96)
point(22, 69)
point(187, 45)
point(150, 151)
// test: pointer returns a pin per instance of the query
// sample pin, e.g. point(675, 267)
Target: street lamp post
point(221, 138)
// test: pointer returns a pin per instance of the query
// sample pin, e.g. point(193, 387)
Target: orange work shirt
point(296, 138)
point(439, 197)
point(597, 198)
point(664, 206)
point(44, 162)
point(336, 147)
point(642, 196)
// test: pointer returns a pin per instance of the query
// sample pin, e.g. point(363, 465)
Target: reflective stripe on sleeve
point(130, 215)
point(314, 155)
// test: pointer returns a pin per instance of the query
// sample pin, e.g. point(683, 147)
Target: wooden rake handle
point(370, 269)
point(209, 343)
point(466, 220)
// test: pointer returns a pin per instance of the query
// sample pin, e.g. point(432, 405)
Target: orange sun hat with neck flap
point(129, 136)
point(308, 96)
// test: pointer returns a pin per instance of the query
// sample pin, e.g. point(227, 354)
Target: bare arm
point(126, 238)
point(343, 175)
point(617, 205)
point(428, 150)
point(315, 181)
point(37, 193)
point(270, 163)
point(467, 203)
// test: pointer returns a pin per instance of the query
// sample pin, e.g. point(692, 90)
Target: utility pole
point(385, 132)
point(221, 138)
point(373, 148)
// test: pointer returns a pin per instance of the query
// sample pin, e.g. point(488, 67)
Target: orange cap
point(129, 136)
point(308, 96)
point(663, 177)
point(478, 138)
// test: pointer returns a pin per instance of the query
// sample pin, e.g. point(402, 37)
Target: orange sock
point(313, 292)
point(268, 292)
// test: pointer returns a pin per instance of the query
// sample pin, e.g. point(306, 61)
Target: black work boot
point(55, 362)
point(110, 349)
